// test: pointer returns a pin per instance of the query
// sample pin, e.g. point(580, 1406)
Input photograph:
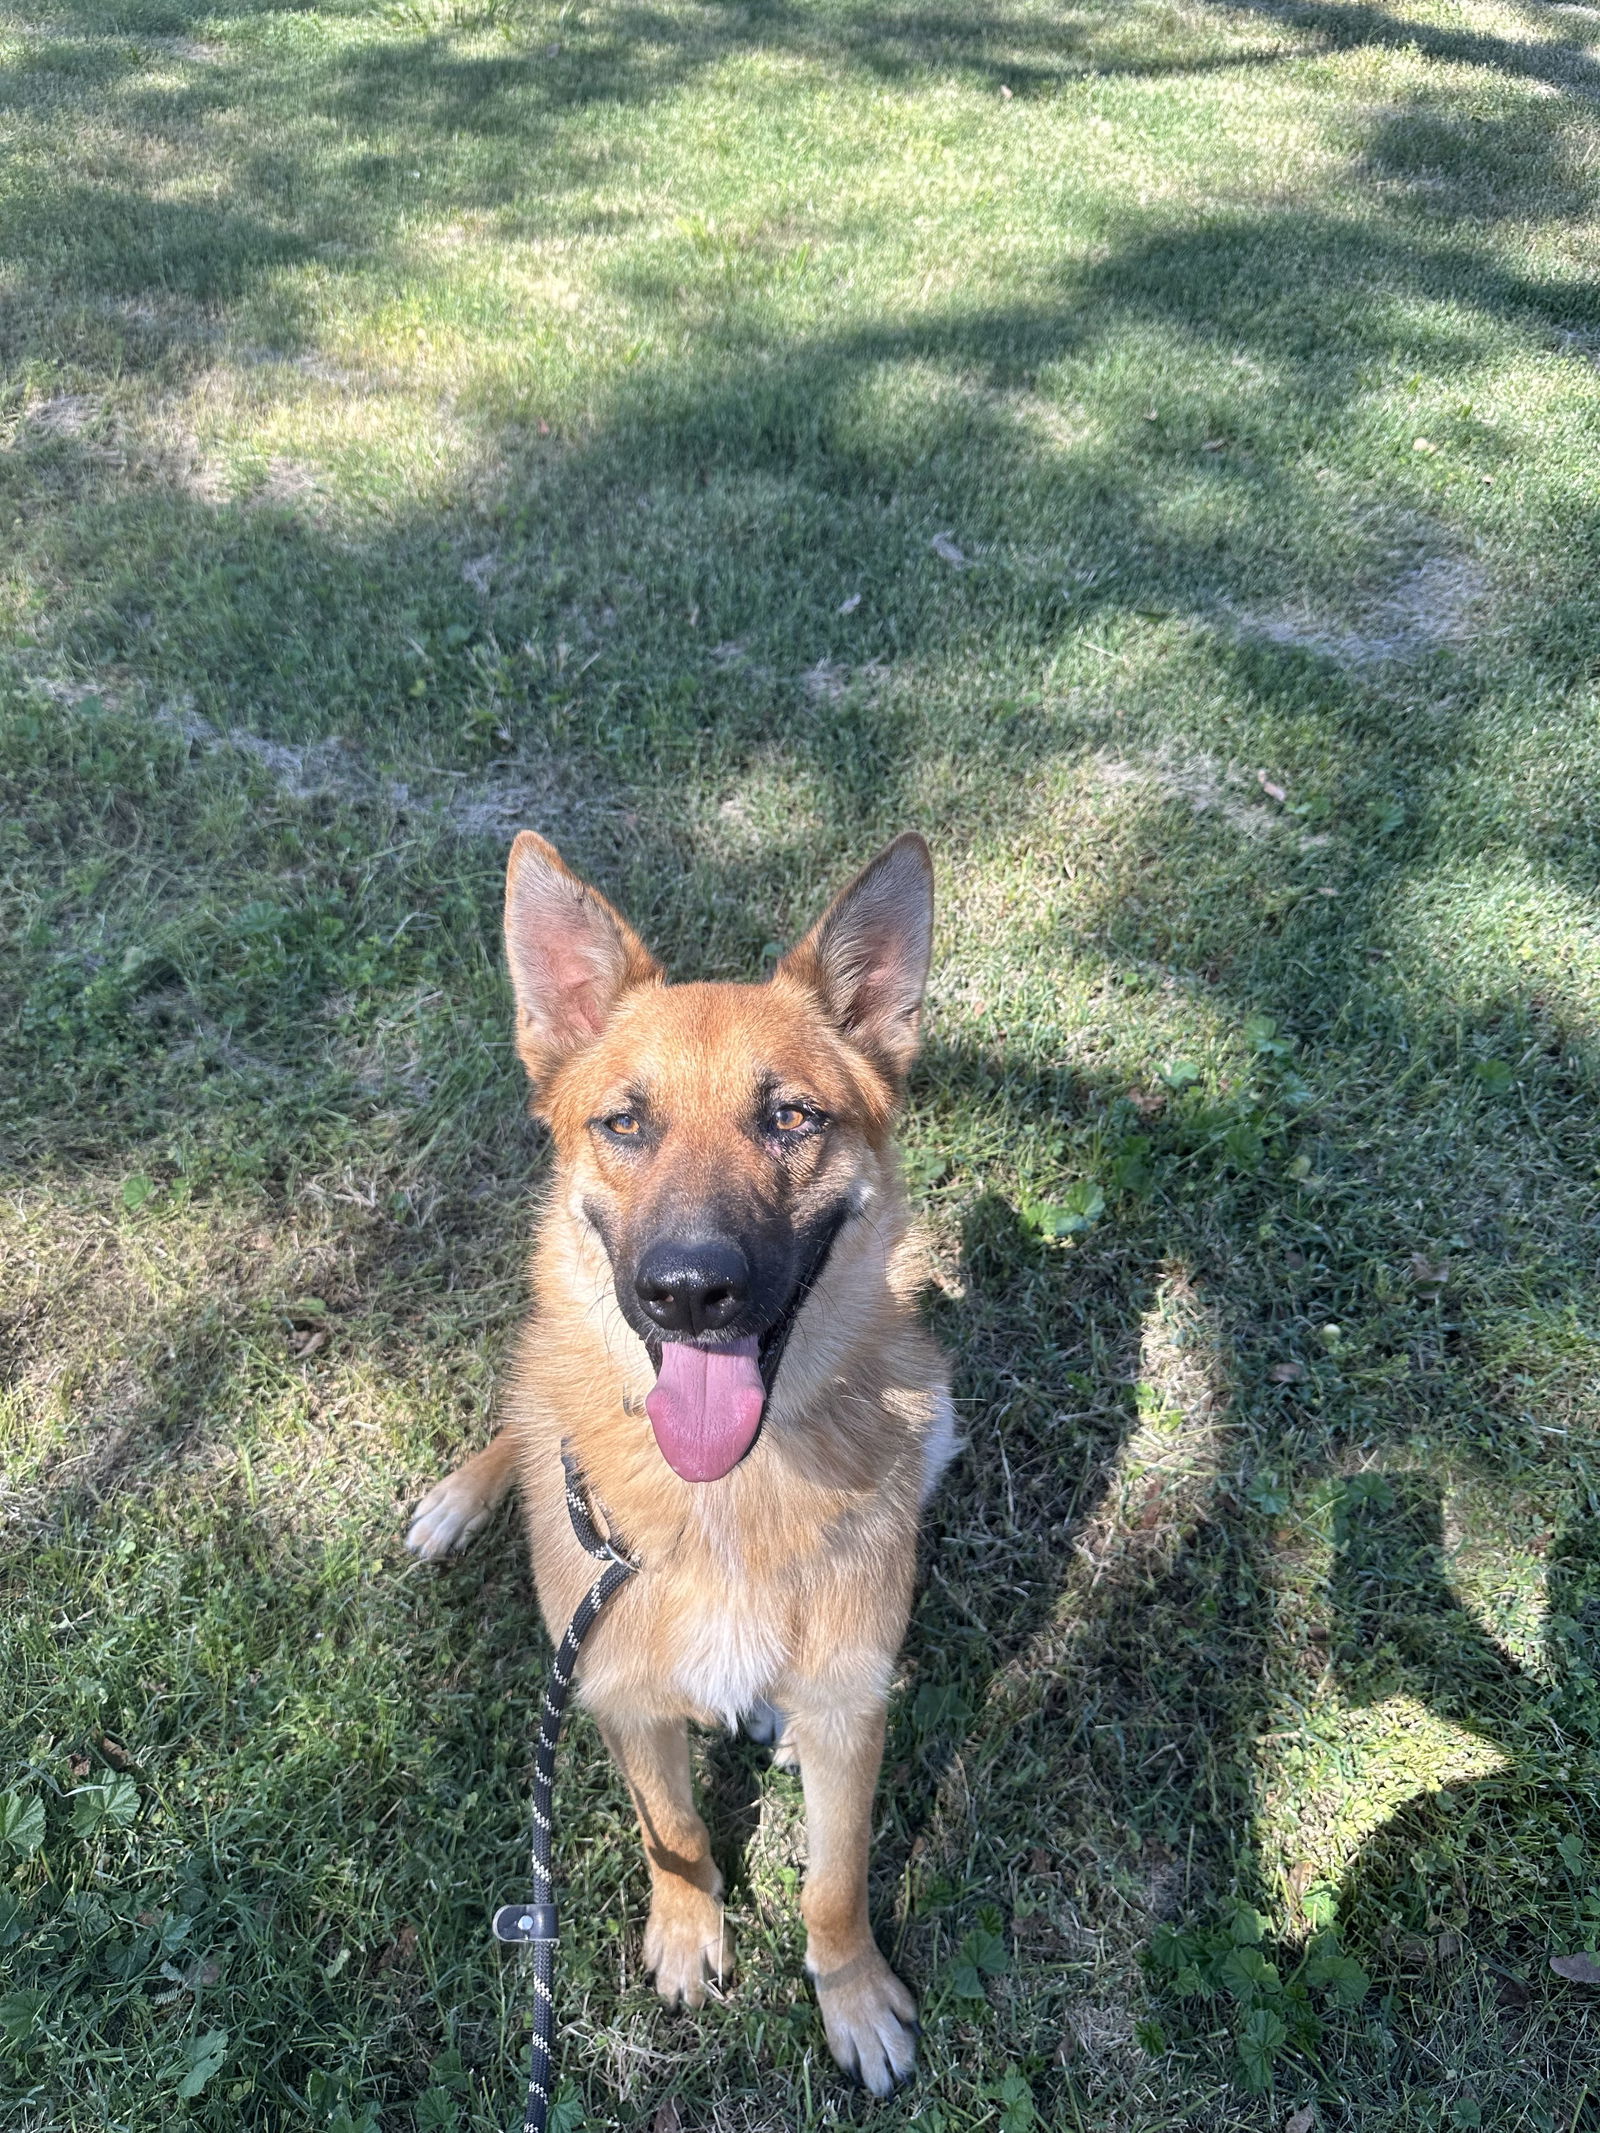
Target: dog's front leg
point(457, 1507)
point(869, 2016)
point(685, 1938)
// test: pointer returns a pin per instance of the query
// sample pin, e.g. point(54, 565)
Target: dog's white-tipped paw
point(446, 1519)
point(686, 1943)
point(871, 2021)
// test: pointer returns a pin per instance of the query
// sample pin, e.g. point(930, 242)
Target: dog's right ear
point(571, 955)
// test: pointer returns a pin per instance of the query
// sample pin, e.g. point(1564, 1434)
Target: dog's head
point(716, 1135)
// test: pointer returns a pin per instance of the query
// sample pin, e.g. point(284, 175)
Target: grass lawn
point(1151, 448)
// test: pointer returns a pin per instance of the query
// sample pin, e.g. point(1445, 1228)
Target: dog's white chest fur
point(730, 1642)
point(729, 1654)
point(732, 1649)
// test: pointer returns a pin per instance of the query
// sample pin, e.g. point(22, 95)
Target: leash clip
point(602, 1546)
point(524, 1923)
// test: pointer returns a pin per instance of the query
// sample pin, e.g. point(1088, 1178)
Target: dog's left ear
point(867, 956)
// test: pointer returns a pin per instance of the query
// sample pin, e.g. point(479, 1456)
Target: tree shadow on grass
point(1144, 1688)
point(338, 201)
point(1561, 63)
point(1464, 1894)
point(1150, 1696)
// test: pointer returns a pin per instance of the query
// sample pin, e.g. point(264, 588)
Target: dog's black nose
point(693, 1287)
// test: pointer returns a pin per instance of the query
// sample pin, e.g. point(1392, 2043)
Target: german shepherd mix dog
point(724, 1333)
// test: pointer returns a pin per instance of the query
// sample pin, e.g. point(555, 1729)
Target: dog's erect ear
point(867, 956)
point(571, 955)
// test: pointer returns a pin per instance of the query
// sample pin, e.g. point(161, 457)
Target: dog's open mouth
point(707, 1402)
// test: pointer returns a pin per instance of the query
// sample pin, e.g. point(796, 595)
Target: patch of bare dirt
point(830, 680)
point(1200, 781)
point(498, 807)
point(64, 415)
point(1438, 603)
point(289, 486)
point(328, 766)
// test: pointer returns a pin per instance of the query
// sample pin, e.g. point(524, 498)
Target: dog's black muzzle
point(711, 1290)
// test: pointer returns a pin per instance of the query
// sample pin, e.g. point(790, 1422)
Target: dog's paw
point(685, 1944)
point(870, 2019)
point(447, 1518)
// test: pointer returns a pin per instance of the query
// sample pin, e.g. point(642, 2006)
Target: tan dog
point(724, 1332)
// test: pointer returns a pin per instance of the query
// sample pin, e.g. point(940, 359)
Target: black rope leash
point(533, 1924)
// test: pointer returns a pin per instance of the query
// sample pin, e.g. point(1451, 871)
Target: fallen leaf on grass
point(946, 550)
point(1215, 444)
point(848, 607)
point(1428, 1276)
point(1273, 792)
point(1154, 1503)
point(401, 1949)
point(1286, 1373)
point(305, 1344)
point(1577, 1969)
point(1301, 2121)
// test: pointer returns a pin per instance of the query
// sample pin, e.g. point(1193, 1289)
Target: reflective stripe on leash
point(534, 1924)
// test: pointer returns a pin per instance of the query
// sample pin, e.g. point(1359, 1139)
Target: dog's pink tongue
point(706, 1407)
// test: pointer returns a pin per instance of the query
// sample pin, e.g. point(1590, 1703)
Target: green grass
point(424, 419)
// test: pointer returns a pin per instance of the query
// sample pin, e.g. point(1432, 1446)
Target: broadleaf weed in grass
point(1274, 2016)
point(21, 1822)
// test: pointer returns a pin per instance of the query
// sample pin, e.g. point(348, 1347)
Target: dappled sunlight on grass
point(1494, 933)
point(1325, 1792)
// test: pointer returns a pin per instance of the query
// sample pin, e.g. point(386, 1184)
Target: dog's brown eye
point(623, 1124)
point(789, 1118)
